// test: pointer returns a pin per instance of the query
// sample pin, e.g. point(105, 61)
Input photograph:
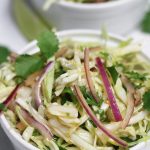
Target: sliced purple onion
point(37, 88)
point(35, 124)
point(9, 99)
point(88, 110)
point(107, 85)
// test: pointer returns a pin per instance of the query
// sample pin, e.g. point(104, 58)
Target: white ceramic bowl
point(118, 16)
point(81, 35)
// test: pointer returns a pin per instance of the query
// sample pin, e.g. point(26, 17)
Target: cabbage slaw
point(61, 121)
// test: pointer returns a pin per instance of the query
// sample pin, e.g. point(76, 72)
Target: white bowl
point(118, 16)
point(81, 35)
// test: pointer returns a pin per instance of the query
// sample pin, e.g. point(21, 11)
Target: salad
point(49, 2)
point(88, 1)
point(74, 95)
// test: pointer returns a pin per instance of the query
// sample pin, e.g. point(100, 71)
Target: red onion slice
point(37, 125)
point(88, 75)
point(10, 98)
point(94, 118)
point(111, 97)
point(37, 88)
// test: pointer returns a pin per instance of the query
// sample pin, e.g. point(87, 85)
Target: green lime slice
point(28, 21)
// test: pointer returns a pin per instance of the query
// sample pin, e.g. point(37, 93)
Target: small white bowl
point(118, 16)
point(80, 35)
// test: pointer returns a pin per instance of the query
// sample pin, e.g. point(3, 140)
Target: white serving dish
point(118, 16)
point(81, 35)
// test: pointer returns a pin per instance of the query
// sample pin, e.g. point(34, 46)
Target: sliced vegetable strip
point(131, 101)
point(61, 52)
point(88, 75)
point(37, 89)
point(129, 112)
point(111, 97)
point(94, 118)
point(9, 99)
point(37, 125)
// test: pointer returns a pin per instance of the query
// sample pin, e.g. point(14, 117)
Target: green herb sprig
point(25, 65)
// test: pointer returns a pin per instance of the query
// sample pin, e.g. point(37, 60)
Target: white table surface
point(10, 36)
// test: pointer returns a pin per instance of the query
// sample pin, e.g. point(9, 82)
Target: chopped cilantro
point(4, 53)
point(138, 85)
point(146, 100)
point(27, 64)
point(36, 133)
point(92, 123)
point(48, 44)
point(59, 70)
point(127, 139)
point(18, 79)
point(67, 95)
point(3, 107)
point(61, 148)
point(136, 76)
point(104, 55)
point(89, 99)
point(119, 65)
point(102, 114)
point(114, 74)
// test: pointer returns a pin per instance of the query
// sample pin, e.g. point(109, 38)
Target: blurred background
point(21, 21)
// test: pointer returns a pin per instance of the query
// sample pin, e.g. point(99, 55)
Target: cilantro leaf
point(114, 74)
point(146, 100)
point(4, 53)
point(27, 64)
point(48, 44)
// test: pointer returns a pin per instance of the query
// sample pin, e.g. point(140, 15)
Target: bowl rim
point(32, 45)
point(104, 5)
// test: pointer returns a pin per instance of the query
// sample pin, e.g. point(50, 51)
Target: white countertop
point(11, 37)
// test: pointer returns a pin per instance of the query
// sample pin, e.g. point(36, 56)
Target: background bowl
point(79, 35)
point(118, 16)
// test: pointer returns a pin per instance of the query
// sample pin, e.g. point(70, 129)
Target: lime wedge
point(28, 21)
